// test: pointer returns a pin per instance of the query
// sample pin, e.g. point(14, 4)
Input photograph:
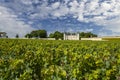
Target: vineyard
point(59, 60)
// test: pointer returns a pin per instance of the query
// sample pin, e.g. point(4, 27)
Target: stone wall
point(92, 39)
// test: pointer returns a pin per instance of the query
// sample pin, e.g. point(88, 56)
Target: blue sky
point(101, 17)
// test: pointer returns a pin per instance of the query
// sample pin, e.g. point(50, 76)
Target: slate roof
point(3, 33)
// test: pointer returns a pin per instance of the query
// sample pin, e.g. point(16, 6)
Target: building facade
point(71, 36)
point(3, 35)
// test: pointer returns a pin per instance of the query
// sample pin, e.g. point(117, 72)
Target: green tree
point(17, 36)
point(82, 34)
point(37, 34)
point(28, 36)
point(87, 35)
point(57, 35)
point(42, 33)
point(51, 35)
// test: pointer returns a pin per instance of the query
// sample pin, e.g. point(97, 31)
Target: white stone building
point(71, 36)
point(3, 35)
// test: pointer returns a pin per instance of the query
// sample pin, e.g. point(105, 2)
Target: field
point(59, 60)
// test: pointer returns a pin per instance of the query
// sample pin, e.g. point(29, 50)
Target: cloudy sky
point(101, 17)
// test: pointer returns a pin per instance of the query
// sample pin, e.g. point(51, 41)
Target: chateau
point(71, 36)
point(3, 35)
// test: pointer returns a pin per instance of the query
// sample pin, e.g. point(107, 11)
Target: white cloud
point(113, 25)
point(41, 12)
point(10, 24)
point(26, 2)
point(105, 13)
point(62, 11)
point(86, 30)
point(55, 5)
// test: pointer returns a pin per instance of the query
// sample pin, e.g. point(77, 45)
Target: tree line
point(57, 34)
